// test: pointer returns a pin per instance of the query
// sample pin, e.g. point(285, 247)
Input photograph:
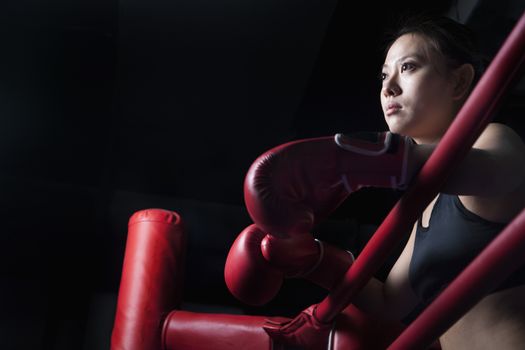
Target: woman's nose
point(391, 88)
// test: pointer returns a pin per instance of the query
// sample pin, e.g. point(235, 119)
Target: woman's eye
point(407, 66)
point(382, 76)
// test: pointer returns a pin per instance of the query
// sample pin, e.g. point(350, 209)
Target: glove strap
point(344, 141)
point(378, 144)
point(321, 256)
point(318, 262)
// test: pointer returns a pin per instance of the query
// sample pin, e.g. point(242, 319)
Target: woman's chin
point(396, 128)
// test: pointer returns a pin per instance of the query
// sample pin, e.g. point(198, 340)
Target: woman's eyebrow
point(417, 57)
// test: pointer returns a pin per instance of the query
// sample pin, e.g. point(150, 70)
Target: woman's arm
point(494, 166)
point(490, 180)
point(393, 299)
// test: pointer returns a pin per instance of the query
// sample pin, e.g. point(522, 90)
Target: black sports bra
point(453, 238)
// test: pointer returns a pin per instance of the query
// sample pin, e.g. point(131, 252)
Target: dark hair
point(455, 41)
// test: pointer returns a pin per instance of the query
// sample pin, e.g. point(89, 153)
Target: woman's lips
point(392, 108)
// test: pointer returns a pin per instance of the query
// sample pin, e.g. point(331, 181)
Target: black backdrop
point(109, 107)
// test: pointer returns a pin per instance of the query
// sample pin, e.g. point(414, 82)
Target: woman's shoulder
point(498, 131)
point(501, 128)
point(498, 136)
point(506, 151)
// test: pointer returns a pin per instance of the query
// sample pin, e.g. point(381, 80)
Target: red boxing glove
point(292, 187)
point(248, 276)
point(304, 331)
point(258, 263)
point(305, 257)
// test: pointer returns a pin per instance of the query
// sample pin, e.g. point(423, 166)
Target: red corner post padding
point(352, 330)
point(152, 277)
point(150, 291)
point(203, 331)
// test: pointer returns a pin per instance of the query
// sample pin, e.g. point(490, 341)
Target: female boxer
point(429, 70)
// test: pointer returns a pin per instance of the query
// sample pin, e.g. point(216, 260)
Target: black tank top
point(453, 238)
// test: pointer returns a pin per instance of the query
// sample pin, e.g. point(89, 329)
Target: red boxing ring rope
point(471, 120)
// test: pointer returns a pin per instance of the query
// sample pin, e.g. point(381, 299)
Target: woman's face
point(417, 94)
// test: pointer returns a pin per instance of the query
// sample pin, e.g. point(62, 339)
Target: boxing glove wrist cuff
point(391, 167)
point(352, 255)
point(319, 261)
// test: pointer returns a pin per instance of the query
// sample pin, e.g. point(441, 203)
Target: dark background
point(109, 107)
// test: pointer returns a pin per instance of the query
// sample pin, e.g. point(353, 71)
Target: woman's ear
point(463, 77)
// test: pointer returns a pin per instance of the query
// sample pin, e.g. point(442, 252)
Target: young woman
point(429, 70)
